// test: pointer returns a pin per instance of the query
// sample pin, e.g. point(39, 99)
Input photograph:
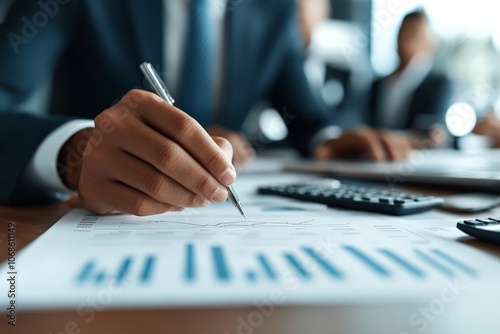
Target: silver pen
point(159, 87)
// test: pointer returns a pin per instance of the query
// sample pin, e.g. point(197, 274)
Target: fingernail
point(220, 195)
point(228, 177)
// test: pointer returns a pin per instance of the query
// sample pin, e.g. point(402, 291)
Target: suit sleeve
point(33, 37)
point(372, 106)
point(304, 114)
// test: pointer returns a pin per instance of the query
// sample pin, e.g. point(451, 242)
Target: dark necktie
point(195, 87)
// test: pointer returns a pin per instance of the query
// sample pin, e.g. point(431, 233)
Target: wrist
point(70, 158)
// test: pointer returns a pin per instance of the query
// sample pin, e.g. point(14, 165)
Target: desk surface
point(31, 222)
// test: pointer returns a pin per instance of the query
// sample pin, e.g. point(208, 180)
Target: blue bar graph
point(190, 264)
point(297, 266)
point(91, 273)
point(123, 270)
point(86, 272)
point(100, 277)
point(268, 270)
point(251, 276)
point(220, 264)
point(403, 263)
point(323, 263)
point(368, 261)
point(435, 264)
point(460, 265)
point(147, 269)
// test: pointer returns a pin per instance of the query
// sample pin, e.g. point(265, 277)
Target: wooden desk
point(31, 222)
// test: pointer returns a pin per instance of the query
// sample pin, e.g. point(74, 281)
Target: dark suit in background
point(91, 49)
point(427, 106)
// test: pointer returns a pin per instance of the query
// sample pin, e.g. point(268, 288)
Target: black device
point(487, 229)
point(356, 197)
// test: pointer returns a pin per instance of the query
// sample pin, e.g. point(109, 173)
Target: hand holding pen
point(160, 88)
point(145, 157)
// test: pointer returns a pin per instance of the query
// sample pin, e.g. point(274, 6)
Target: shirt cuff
point(42, 173)
point(324, 135)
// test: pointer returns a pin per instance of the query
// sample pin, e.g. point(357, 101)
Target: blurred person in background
point(413, 99)
point(490, 127)
point(411, 81)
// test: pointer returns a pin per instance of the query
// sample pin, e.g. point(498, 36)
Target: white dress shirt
point(42, 173)
point(397, 91)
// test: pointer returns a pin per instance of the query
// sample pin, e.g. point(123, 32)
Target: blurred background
point(357, 42)
point(354, 42)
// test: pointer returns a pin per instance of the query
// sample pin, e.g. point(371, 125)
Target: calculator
point(487, 229)
point(356, 197)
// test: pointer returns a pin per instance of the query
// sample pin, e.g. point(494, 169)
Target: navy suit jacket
point(428, 105)
point(92, 49)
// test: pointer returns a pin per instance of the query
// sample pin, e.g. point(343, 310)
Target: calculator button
point(487, 221)
point(473, 223)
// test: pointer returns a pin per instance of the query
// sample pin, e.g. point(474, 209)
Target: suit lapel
point(146, 19)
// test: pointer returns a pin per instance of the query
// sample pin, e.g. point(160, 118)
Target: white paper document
point(285, 253)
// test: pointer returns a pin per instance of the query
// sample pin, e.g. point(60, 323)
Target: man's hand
point(242, 150)
point(380, 145)
point(490, 127)
point(146, 157)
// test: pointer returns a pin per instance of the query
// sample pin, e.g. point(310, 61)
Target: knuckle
point(110, 119)
point(194, 200)
point(225, 146)
point(140, 206)
point(156, 185)
point(186, 125)
point(105, 118)
point(135, 95)
point(216, 162)
point(204, 186)
point(168, 155)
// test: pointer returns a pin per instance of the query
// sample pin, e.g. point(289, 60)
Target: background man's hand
point(490, 127)
point(146, 157)
point(243, 151)
point(380, 145)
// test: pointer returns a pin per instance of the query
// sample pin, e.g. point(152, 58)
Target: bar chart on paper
point(199, 260)
point(90, 273)
point(193, 264)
